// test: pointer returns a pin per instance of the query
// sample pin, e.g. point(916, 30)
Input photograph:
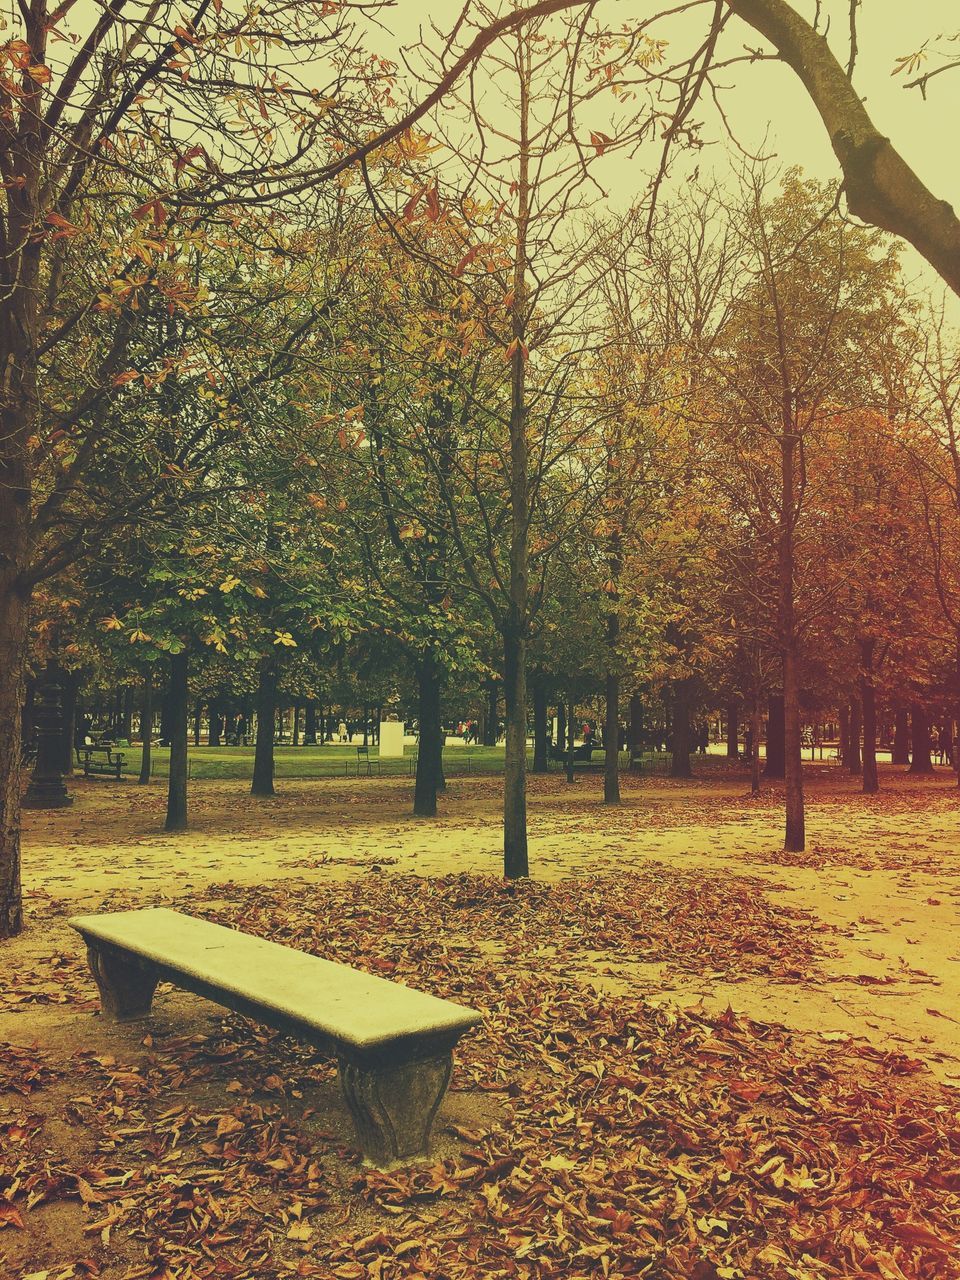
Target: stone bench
point(394, 1046)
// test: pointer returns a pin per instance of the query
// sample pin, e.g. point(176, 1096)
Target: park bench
point(581, 754)
point(100, 759)
point(394, 1045)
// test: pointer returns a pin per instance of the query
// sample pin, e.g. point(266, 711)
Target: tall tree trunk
point(515, 863)
point(920, 760)
point(177, 703)
point(146, 728)
point(262, 784)
point(366, 726)
point(492, 716)
point(430, 751)
point(611, 741)
point(540, 733)
point(854, 759)
point(844, 748)
point(126, 714)
point(70, 686)
point(776, 764)
point(756, 728)
point(680, 730)
point(561, 725)
point(295, 726)
point(868, 699)
point(197, 721)
point(310, 724)
point(215, 711)
point(733, 729)
point(571, 738)
point(794, 834)
point(636, 732)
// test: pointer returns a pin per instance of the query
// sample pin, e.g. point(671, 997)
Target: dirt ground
point(682, 896)
point(880, 879)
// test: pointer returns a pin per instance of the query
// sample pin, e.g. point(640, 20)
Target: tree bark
point(69, 685)
point(310, 724)
point(197, 719)
point(775, 766)
point(611, 741)
point(920, 759)
point(215, 711)
point(854, 760)
point(733, 730)
point(262, 784)
point(680, 730)
point(177, 704)
point(515, 858)
point(571, 738)
point(843, 715)
point(491, 722)
point(868, 699)
point(561, 725)
point(636, 732)
point(901, 736)
point(430, 751)
point(540, 754)
point(146, 729)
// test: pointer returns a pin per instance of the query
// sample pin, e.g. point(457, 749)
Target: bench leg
point(126, 989)
point(393, 1107)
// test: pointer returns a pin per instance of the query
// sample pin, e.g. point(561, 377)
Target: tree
point(879, 183)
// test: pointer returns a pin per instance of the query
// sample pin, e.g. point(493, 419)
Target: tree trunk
point(430, 751)
point(197, 721)
point(868, 699)
point(756, 720)
point(126, 714)
point(540, 753)
point(515, 861)
point(146, 728)
point(636, 732)
point(611, 741)
point(490, 728)
point(795, 833)
point(215, 711)
point(177, 695)
point(295, 726)
point(561, 726)
point(854, 760)
point(70, 685)
point(571, 738)
point(310, 724)
point(843, 751)
point(733, 730)
point(920, 761)
point(680, 730)
point(901, 736)
point(266, 718)
point(776, 766)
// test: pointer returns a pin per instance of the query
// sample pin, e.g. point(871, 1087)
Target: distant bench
point(394, 1046)
point(101, 759)
point(581, 754)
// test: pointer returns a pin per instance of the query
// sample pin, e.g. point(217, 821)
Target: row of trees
point(479, 422)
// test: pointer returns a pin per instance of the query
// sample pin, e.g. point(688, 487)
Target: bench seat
point(394, 1045)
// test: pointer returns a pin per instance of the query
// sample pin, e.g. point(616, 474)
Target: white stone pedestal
point(391, 738)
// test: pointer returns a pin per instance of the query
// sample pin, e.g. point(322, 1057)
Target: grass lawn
point(332, 760)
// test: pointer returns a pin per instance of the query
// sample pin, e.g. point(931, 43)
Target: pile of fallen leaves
point(622, 1140)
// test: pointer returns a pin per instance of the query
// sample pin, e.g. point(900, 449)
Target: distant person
point(342, 731)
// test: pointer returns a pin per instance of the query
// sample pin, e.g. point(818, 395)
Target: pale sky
point(766, 100)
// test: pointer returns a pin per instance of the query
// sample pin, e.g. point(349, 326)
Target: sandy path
point(881, 878)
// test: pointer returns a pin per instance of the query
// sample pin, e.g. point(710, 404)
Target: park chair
point(363, 758)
